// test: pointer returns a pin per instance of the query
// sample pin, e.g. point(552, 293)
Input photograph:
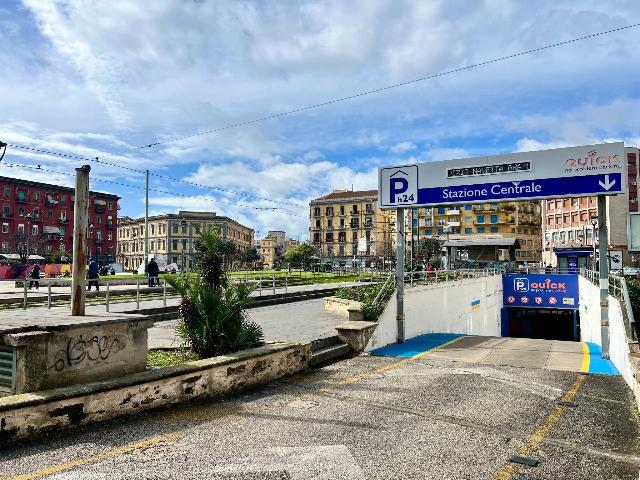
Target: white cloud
point(403, 147)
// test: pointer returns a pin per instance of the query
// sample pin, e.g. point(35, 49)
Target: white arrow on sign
point(606, 184)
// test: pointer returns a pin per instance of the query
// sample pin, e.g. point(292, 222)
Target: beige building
point(273, 247)
point(171, 237)
point(344, 219)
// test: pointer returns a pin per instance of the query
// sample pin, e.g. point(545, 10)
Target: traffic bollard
point(107, 296)
point(164, 293)
point(137, 294)
point(49, 294)
point(25, 293)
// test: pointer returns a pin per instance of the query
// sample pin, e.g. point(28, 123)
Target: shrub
point(366, 294)
point(213, 320)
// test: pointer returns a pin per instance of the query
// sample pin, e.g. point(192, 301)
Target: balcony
point(36, 218)
point(454, 224)
point(355, 226)
point(53, 236)
point(7, 215)
point(354, 214)
point(453, 211)
point(49, 202)
point(63, 221)
point(22, 199)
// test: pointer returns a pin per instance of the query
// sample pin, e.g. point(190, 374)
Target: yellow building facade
point(345, 220)
point(520, 220)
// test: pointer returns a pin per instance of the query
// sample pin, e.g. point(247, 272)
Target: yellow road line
point(586, 358)
point(163, 438)
point(534, 441)
point(62, 467)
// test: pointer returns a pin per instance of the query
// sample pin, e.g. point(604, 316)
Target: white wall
point(590, 327)
point(444, 308)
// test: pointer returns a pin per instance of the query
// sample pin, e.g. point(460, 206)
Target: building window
point(62, 230)
point(480, 219)
point(480, 229)
point(468, 207)
point(6, 210)
point(440, 210)
point(110, 205)
point(174, 228)
point(36, 196)
point(5, 247)
point(109, 236)
point(467, 219)
point(494, 229)
point(34, 229)
point(21, 211)
point(468, 230)
point(5, 228)
point(21, 229)
point(184, 244)
point(63, 199)
point(429, 231)
point(494, 218)
point(6, 192)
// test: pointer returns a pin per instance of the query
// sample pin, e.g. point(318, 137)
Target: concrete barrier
point(63, 350)
point(468, 306)
point(22, 415)
point(340, 306)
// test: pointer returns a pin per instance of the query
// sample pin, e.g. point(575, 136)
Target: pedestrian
point(113, 271)
point(34, 277)
point(93, 276)
point(152, 271)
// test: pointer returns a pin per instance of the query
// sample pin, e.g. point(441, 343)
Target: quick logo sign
point(540, 291)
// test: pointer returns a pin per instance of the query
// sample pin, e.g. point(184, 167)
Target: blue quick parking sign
point(540, 291)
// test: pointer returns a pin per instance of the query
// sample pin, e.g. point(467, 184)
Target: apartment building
point(520, 220)
point(171, 237)
point(345, 219)
point(44, 213)
point(273, 247)
point(569, 230)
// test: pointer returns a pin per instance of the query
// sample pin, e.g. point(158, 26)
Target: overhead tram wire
point(157, 190)
point(385, 88)
point(143, 172)
point(320, 105)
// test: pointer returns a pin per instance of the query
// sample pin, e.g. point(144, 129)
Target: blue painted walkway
point(416, 345)
point(597, 364)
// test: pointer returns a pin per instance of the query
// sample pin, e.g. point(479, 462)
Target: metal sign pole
point(604, 275)
point(400, 273)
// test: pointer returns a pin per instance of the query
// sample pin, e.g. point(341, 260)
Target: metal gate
point(7, 369)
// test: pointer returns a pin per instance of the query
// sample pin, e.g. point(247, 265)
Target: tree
point(36, 244)
point(429, 248)
point(251, 256)
point(299, 254)
point(213, 319)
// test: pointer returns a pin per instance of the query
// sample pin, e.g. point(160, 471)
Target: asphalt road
point(364, 418)
point(305, 320)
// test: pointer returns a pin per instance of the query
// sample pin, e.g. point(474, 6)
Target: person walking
point(152, 271)
point(93, 276)
point(34, 277)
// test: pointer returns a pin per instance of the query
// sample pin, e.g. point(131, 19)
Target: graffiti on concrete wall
point(97, 348)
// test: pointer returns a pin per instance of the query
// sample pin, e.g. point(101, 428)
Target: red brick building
point(42, 215)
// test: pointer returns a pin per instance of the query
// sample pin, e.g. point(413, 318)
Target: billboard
point(561, 172)
point(540, 291)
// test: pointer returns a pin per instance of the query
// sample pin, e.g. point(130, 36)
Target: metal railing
point(439, 276)
point(106, 295)
point(618, 289)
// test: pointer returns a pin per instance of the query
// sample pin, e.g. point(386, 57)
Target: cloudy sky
point(98, 79)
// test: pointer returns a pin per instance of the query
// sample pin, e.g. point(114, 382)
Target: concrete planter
point(340, 306)
point(22, 415)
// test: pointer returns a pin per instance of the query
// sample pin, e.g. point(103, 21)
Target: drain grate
point(7, 369)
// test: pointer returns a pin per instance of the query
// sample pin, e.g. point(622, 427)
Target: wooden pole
point(80, 224)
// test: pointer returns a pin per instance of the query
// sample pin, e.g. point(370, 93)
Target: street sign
point(560, 172)
point(615, 259)
point(541, 291)
point(362, 245)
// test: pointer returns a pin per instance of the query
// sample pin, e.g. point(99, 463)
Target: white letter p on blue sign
point(399, 185)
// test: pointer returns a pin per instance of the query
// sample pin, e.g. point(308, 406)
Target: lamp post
point(183, 224)
point(594, 222)
point(91, 227)
point(28, 232)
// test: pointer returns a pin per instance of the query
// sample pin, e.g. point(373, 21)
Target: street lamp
point(91, 227)
point(447, 229)
point(29, 220)
point(594, 222)
point(183, 224)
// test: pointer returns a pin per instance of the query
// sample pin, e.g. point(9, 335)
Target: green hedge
point(366, 294)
